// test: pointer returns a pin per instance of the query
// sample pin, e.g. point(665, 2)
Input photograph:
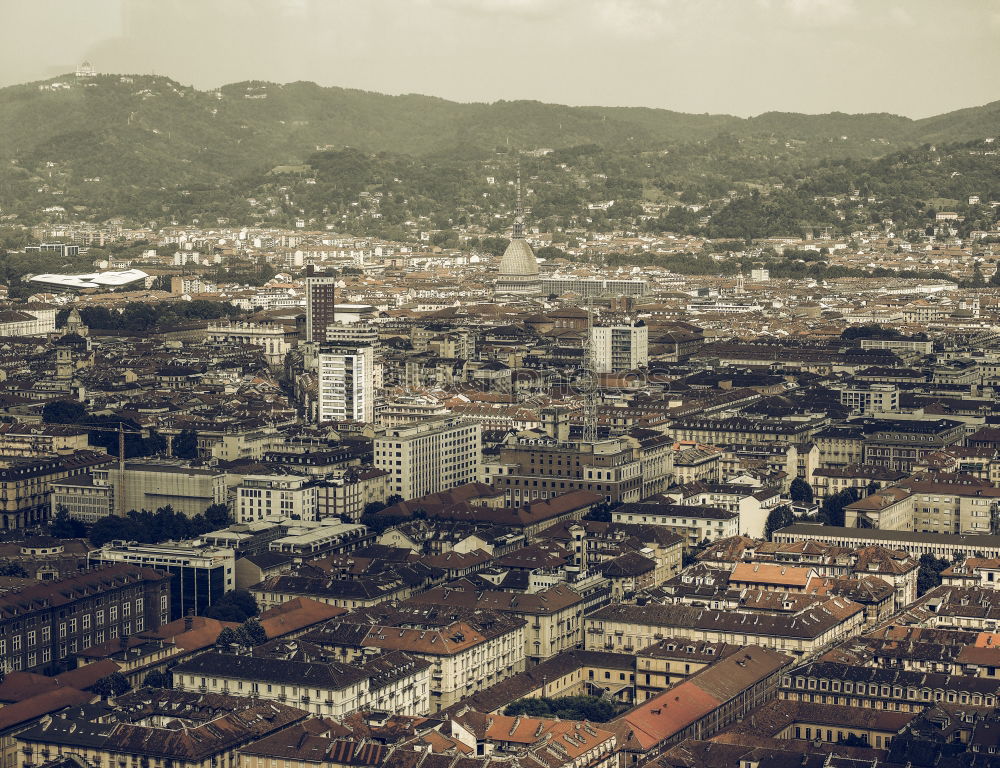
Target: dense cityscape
point(683, 453)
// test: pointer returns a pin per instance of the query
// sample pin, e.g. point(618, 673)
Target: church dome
point(519, 259)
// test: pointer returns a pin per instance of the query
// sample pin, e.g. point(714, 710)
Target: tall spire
point(518, 233)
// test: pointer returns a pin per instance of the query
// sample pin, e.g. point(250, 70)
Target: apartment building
point(542, 466)
point(889, 509)
point(33, 319)
point(901, 690)
point(840, 445)
point(917, 346)
point(321, 305)
point(695, 523)
point(269, 337)
point(468, 650)
point(19, 439)
point(149, 484)
point(868, 399)
point(619, 348)
point(902, 443)
point(554, 616)
point(777, 459)
point(751, 504)
point(199, 574)
point(625, 628)
point(134, 731)
point(668, 661)
point(346, 382)
point(740, 429)
point(429, 456)
point(26, 484)
point(953, 504)
point(44, 626)
point(701, 706)
point(916, 543)
point(347, 492)
point(829, 481)
point(973, 572)
point(592, 286)
point(391, 682)
point(262, 496)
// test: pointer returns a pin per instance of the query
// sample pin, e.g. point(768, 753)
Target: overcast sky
point(744, 57)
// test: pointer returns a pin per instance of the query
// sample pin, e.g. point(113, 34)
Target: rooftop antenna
point(518, 233)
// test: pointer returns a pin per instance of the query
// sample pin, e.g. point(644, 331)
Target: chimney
point(188, 623)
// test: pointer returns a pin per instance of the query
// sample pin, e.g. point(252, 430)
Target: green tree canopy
point(63, 412)
point(800, 491)
point(591, 708)
point(217, 515)
point(251, 632)
point(114, 684)
point(778, 518)
point(185, 444)
point(238, 606)
point(62, 526)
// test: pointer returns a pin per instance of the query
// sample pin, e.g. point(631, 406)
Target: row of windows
point(896, 691)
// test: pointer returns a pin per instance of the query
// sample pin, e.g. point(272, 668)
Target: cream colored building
point(349, 491)
point(467, 654)
point(890, 509)
point(619, 348)
point(270, 338)
point(28, 320)
point(260, 496)
point(554, 616)
point(695, 523)
point(429, 456)
point(627, 628)
point(393, 682)
point(346, 382)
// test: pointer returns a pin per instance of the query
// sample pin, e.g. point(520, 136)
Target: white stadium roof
point(95, 280)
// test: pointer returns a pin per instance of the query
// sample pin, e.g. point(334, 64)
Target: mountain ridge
point(99, 144)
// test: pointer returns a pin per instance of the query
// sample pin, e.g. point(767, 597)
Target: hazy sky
point(912, 57)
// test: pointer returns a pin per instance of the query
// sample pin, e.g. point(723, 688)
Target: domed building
point(518, 267)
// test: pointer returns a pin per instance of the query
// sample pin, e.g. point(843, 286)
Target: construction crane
point(119, 491)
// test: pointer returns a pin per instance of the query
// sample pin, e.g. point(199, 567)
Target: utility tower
point(588, 381)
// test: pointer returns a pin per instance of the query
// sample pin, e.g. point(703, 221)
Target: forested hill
point(251, 124)
point(137, 145)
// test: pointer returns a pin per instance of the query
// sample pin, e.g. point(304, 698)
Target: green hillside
point(148, 148)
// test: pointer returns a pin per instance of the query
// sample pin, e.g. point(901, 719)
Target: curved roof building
point(518, 267)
